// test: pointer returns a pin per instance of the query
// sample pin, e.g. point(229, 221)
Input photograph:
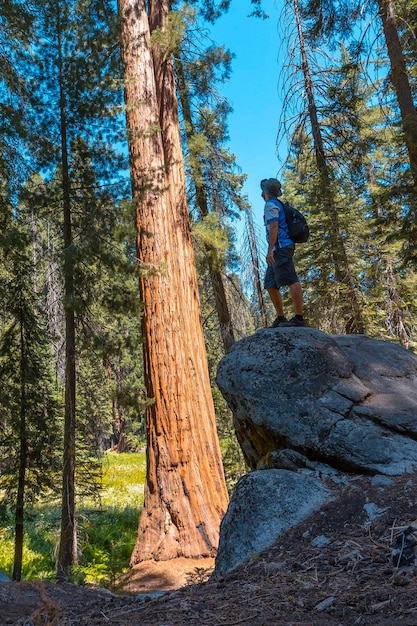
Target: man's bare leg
point(297, 298)
point(276, 300)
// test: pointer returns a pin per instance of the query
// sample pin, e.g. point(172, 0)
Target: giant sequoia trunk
point(185, 492)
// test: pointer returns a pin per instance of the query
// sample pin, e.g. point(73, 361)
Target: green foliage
point(368, 192)
point(211, 9)
point(29, 439)
point(211, 236)
point(123, 479)
point(169, 39)
point(106, 542)
point(41, 535)
point(106, 532)
point(107, 535)
point(233, 462)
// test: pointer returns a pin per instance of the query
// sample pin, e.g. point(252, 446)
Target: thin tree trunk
point(185, 491)
point(67, 544)
point(222, 307)
point(255, 266)
point(395, 314)
point(119, 443)
point(399, 76)
point(55, 309)
point(216, 276)
point(20, 499)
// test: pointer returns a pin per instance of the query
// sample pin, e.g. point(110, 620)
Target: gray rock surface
point(263, 506)
point(300, 397)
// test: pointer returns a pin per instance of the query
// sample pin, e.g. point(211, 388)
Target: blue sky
point(253, 92)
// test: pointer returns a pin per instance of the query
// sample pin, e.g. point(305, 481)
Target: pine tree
point(334, 19)
point(74, 95)
point(365, 147)
point(365, 157)
point(29, 441)
point(344, 311)
point(15, 30)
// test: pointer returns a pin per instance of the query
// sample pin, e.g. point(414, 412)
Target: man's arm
point(273, 236)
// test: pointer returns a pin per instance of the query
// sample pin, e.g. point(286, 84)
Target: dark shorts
point(283, 271)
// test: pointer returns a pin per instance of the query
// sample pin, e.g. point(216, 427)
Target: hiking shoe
point(277, 322)
point(294, 321)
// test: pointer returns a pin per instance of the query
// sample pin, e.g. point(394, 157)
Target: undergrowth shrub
point(106, 531)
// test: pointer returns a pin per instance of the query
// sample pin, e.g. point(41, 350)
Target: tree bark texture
point(399, 76)
point(185, 491)
point(216, 275)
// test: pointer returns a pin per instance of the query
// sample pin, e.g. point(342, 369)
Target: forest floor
point(335, 569)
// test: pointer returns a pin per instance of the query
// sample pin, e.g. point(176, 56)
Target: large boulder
point(300, 397)
point(263, 506)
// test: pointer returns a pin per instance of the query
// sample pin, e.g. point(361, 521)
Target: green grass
point(106, 530)
point(123, 479)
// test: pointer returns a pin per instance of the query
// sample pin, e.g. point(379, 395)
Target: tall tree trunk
point(67, 544)
point(185, 491)
point(118, 442)
point(343, 274)
point(55, 309)
point(216, 276)
point(399, 76)
point(20, 499)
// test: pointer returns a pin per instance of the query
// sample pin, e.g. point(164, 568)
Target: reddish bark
point(185, 492)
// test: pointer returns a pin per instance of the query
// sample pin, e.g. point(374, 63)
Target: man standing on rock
point(280, 271)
